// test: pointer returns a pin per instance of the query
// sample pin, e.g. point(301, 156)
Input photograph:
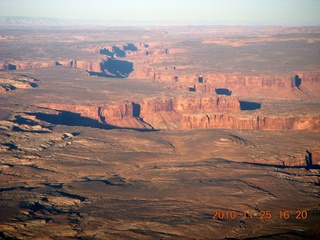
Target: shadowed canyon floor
point(164, 133)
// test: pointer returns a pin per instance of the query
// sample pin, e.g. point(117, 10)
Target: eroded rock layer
point(154, 113)
point(189, 113)
point(307, 123)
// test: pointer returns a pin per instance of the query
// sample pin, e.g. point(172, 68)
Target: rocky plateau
point(146, 133)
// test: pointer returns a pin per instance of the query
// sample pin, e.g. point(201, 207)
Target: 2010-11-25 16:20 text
point(262, 214)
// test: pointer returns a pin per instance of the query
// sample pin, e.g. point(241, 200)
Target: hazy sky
point(174, 11)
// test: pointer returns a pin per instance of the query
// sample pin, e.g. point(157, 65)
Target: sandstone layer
point(251, 123)
point(155, 113)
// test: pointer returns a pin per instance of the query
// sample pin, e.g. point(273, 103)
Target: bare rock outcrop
point(9, 82)
point(150, 113)
point(313, 157)
point(188, 113)
point(164, 113)
point(122, 115)
point(308, 123)
point(90, 65)
point(299, 85)
point(86, 65)
point(85, 111)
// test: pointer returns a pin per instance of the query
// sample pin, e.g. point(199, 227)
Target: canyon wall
point(92, 66)
point(124, 115)
point(314, 153)
point(85, 111)
point(300, 85)
point(164, 113)
point(188, 113)
point(242, 122)
point(295, 86)
point(150, 113)
point(120, 50)
point(17, 65)
point(167, 113)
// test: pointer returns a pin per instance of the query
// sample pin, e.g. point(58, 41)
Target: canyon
point(300, 86)
point(189, 113)
point(142, 133)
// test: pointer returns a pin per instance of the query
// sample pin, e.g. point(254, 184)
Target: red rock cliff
point(300, 85)
point(122, 115)
point(156, 113)
point(93, 66)
point(218, 120)
point(188, 113)
point(85, 111)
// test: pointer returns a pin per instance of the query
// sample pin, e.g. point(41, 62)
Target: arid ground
point(207, 132)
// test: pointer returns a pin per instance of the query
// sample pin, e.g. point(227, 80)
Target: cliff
point(314, 154)
point(165, 113)
point(92, 66)
point(308, 123)
point(189, 113)
point(144, 58)
point(122, 115)
point(150, 113)
point(16, 65)
point(85, 111)
point(295, 86)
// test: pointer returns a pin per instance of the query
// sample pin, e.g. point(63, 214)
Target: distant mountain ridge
point(8, 20)
point(38, 22)
point(16, 22)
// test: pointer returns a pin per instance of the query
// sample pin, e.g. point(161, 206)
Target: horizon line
point(102, 22)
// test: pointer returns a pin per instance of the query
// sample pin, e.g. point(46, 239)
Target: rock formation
point(281, 87)
point(77, 153)
point(86, 111)
point(158, 113)
point(86, 65)
point(188, 113)
point(306, 123)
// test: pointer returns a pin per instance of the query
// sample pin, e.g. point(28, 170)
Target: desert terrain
point(189, 132)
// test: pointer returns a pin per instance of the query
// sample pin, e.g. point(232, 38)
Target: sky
point(268, 12)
